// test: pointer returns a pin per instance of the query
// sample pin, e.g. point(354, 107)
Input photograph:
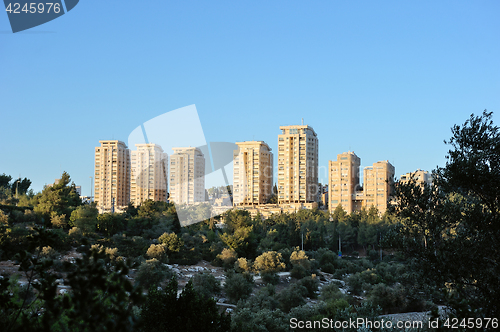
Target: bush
point(227, 257)
point(238, 286)
point(328, 268)
point(158, 251)
point(48, 253)
point(270, 261)
point(58, 221)
point(333, 306)
point(292, 297)
point(299, 258)
point(390, 299)
point(242, 265)
point(270, 278)
point(171, 241)
point(264, 298)
point(151, 273)
point(206, 285)
point(331, 292)
point(298, 272)
point(311, 283)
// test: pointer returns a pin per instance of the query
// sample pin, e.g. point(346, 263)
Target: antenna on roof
point(302, 121)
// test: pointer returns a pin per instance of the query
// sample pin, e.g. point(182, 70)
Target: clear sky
point(385, 79)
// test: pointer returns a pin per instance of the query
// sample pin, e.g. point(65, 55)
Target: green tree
point(206, 285)
point(190, 312)
point(101, 297)
point(151, 273)
point(269, 262)
point(451, 229)
point(172, 242)
point(238, 286)
point(60, 198)
point(85, 218)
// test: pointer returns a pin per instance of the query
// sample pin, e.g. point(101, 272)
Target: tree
point(60, 198)
point(85, 218)
point(238, 286)
point(101, 297)
point(190, 312)
point(158, 251)
point(206, 285)
point(451, 229)
point(269, 262)
point(151, 273)
point(172, 242)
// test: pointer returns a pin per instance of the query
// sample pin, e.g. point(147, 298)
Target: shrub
point(206, 285)
point(158, 251)
point(264, 298)
point(48, 252)
point(270, 278)
point(242, 265)
point(58, 221)
point(76, 233)
point(270, 261)
point(331, 292)
point(228, 257)
point(292, 296)
point(172, 242)
point(299, 258)
point(311, 283)
point(390, 299)
point(151, 273)
point(298, 272)
point(238, 286)
point(328, 268)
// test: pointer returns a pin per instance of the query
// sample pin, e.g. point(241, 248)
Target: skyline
point(385, 80)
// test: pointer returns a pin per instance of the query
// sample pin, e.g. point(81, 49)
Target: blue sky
point(385, 79)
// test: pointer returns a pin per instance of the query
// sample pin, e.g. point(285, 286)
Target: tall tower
point(252, 173)
point(297, 165)
point(343, 181)
point(377, 185)
point(112, 175)
point(187, 176)
point(149, 174)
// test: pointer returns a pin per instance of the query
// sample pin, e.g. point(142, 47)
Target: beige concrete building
point(343, 182)
point(112, 176)
point(297, 165)
point(377, 185)
point(252, 173)
point(187, 176)
point(148, 174)
point(419, 176)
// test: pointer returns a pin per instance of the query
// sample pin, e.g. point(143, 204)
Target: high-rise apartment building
point(148, 174)
point(112, 175)
point(377, 185)
point(419, 176)
point(187, 176)
point(297, 165)
point(343, 182)
point(252, 173)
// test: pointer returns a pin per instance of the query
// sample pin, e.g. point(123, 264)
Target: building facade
point(343, 182)
point(148, 174)
point(378, 181)
point(419, 176)
point(252, 173)
point(187, 176)
point(297, 165)
point(112, 176)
